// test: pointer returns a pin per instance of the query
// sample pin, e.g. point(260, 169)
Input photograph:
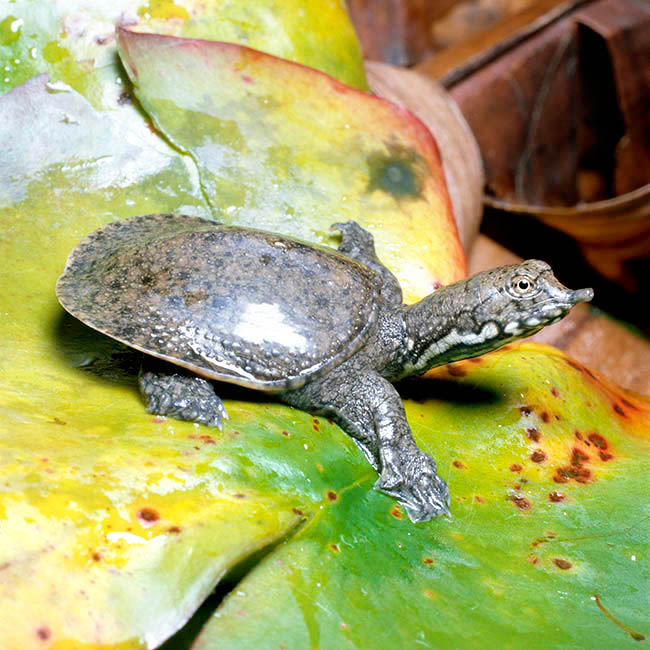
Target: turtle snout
point(581, 295)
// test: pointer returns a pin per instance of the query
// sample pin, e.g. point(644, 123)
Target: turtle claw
point(418, 488)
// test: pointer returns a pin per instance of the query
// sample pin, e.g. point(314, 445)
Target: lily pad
point(115, 525)
point(547, 546)
point(283, 147)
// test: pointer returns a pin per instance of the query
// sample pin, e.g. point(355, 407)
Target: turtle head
point(485, 312)
point(522, 298)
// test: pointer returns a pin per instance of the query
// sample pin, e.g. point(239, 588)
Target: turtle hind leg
point(171, 391)
point(369, 409)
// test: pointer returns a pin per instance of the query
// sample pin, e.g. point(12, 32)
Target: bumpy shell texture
point(234, 304)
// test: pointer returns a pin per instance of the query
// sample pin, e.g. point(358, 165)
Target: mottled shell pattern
point(229, 303)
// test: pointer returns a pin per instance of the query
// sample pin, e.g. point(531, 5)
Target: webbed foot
point(417, 486)
point(183, 396)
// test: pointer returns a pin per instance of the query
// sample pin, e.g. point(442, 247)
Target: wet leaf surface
point(115, 525)
point(74, 40)
point(546, 465)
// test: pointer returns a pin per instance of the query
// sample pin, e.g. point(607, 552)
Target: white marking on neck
point(513, 327)
point(452, 339)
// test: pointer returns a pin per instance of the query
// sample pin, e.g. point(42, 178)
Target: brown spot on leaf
point(578, 457)
point(43, 632)
point(533, 434)
point(458, 464)
point(525, 410)
point(555, 392)
point(619, 409)
point(515, 467)
point(175, 530)
point(562, 564)
point(97, 557)
point(556, 497)
point(605, 455)
point(456, 370)
point(479, 499)
point(578, 473)
point(296, 511)
point(598, 440)
point(148, 515)
point(591, 374)
point(335, 547)
point(396, 512)
point(538, 456)
point(533, 559)
point(285, 434)
point(561, 475)
point(629, 404)
point(578, 435)
point(56, 420)
point(575, 365)
point(521, 502)
point(332, 496)
point(427, 560)
point(239, 495)
point(475, 359)
point(545, 416)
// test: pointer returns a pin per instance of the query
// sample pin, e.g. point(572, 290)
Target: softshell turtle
point(325, 330)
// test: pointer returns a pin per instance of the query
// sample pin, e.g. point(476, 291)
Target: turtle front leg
point(359, 244)
point(171, 391)
point(369, 409)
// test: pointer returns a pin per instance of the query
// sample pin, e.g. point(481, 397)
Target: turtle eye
point(523, 286)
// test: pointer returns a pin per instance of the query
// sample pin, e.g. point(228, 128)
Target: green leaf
point(115, 525)
point(286, 148)
point(547, 546)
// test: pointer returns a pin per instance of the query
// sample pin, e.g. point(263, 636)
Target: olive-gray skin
point(325, 330)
